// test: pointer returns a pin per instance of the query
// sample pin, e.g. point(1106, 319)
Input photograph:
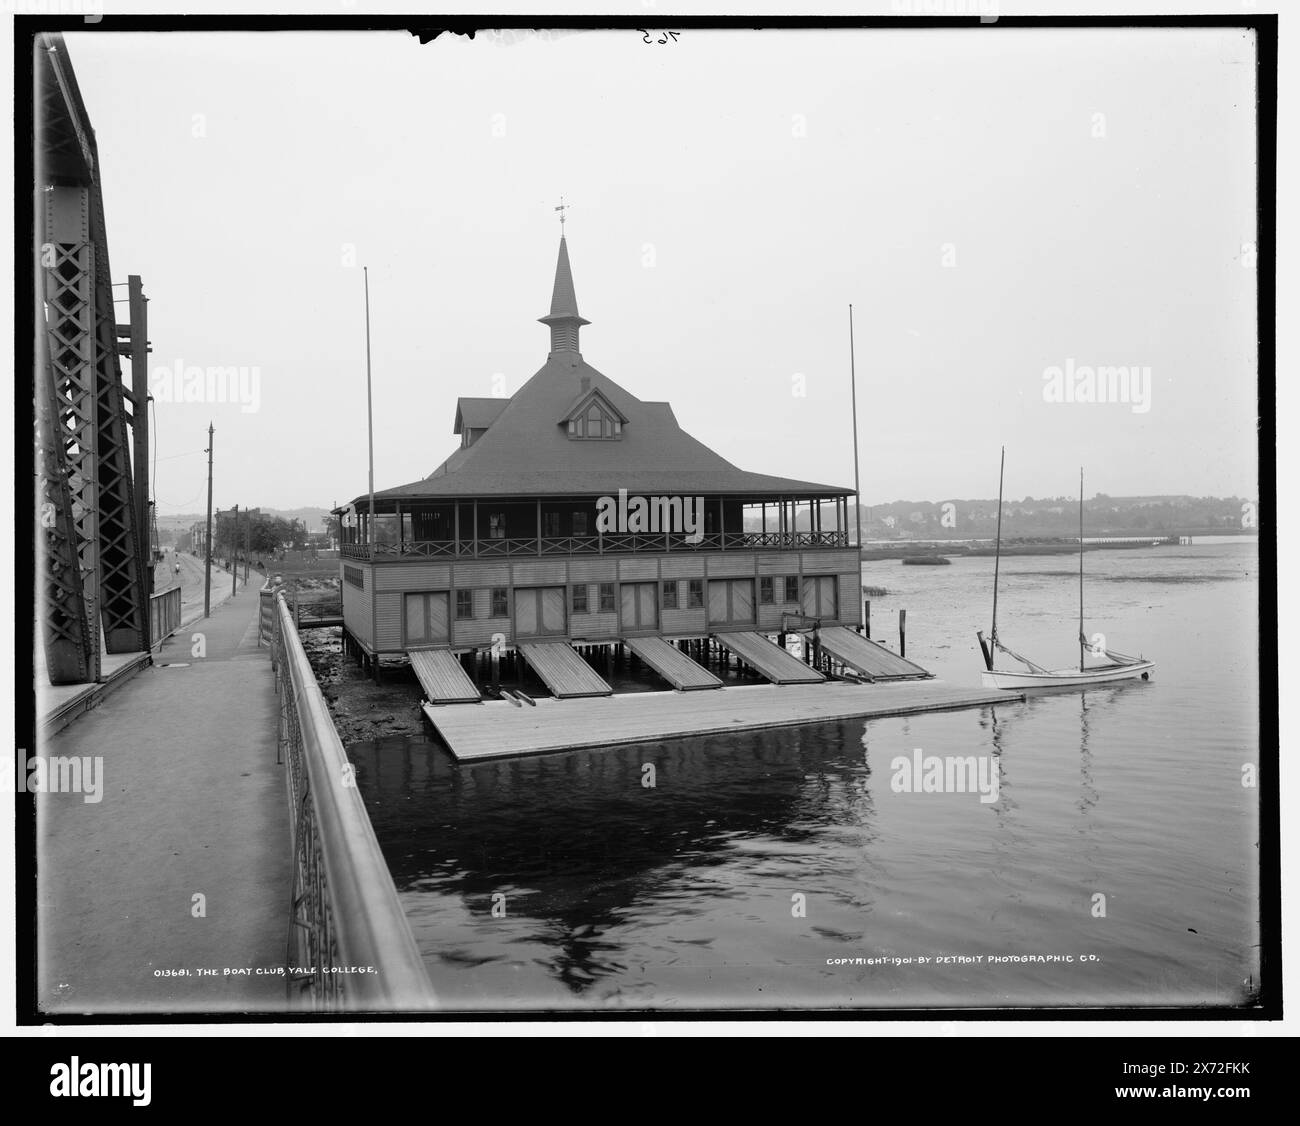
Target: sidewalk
point(193, 803)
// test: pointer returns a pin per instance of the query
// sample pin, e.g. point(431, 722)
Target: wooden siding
point(851, 599)
point(413, 576)
point(737, 564)
point(481, 574)
point(684, 623)
point(593, 627)
point(682, 567)
point(781, 563)
point(388, 621)
point(593, 570)
point(356, 613)
point(638, 570)
point(551, 572)
point(822, 563)
point(478, 631)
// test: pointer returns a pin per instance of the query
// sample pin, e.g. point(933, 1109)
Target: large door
point(731, 602)
point(539, 611)
point(818, 596)
point(638, 610)
point(426, 619)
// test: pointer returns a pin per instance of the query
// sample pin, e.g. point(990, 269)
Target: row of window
point(354, 576)
point(607, 596)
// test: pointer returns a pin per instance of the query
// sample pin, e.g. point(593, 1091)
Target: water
point(687, 895)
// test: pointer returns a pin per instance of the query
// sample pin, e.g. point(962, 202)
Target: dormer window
point(594, 418)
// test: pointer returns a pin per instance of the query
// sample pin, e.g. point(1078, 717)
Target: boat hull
point(1068, 678)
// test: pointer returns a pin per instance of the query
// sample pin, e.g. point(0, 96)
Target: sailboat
point(1117, 666)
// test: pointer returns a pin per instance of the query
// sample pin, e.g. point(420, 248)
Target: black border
point(1265, 27)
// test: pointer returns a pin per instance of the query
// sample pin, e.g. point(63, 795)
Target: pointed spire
point(563, 319)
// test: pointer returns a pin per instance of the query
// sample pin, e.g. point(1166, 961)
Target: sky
point(995, 203)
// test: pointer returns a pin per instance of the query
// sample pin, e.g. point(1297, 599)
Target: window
point(580, 599)
point(792, 588)
point(500, 602)
point(670, 595)
point(765, 593)
point(551, 524)
point(497, 526)
point(464, 604)
point(354, 576)
point(607, 599)
point(580, 524)
point(593, 418)
point(695, 594)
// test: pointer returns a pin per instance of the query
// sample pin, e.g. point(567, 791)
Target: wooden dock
point(500, 730)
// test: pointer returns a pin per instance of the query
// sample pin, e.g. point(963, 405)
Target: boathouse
point(575, 514)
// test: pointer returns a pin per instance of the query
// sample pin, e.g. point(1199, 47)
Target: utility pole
point(248, 544)
point(207, 542)
point(234, 555)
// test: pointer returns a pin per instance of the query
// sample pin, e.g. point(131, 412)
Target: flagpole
point(857, 485)
point(370, 422)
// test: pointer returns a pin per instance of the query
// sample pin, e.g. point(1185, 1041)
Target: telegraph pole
point(248, 544)
point(234, 556)
point(207, 543)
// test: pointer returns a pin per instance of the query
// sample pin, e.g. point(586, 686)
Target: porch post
point(455, 520)
point(539, 526)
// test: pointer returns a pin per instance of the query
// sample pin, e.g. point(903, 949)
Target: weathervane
point(562, 209)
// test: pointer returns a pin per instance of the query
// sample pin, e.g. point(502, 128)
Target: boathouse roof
point(534, 443)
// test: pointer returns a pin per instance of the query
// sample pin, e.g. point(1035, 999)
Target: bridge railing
point(164, 614)
point(345, 914)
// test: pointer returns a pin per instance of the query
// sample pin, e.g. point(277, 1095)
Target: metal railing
point(164, 614)
point(612, 543)
point(345, 914)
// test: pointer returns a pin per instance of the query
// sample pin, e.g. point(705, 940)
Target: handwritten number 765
point(664, 38)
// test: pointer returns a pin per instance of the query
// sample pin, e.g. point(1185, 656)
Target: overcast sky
point(994, 202)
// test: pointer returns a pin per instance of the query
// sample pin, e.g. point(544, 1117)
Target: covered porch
point(476, 528)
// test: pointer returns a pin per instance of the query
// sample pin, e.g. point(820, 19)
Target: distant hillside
point(1059, 516)
point(960, 519)
point(313, 518)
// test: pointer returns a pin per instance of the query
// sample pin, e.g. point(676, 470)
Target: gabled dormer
point(592, 417)
point(474, 416)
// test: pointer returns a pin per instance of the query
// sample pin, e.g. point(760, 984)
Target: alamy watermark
point(684, 515)
point(949, 774)
point(1081, 383)
point(193, 384)
point(58, 774)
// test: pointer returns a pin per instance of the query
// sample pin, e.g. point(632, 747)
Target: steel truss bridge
point(94, 560)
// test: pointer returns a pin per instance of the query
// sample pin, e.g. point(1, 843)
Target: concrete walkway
point(193, 804)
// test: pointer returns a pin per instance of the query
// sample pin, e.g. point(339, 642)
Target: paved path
point(193, 803)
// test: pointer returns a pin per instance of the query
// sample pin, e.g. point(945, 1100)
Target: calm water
point(685, 895)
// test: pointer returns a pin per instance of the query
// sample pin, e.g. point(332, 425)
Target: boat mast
point(1081, 641)
point(997, 557)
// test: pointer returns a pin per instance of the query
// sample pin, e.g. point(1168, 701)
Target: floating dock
point(500, 730)
point(768, 659)
point(672, 664)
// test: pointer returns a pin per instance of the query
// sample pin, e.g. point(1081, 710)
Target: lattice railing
point(612, 543)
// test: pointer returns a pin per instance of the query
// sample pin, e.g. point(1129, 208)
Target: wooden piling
point(902, 633)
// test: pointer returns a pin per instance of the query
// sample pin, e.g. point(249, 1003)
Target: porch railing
point(350, 947)
point(614, 543)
